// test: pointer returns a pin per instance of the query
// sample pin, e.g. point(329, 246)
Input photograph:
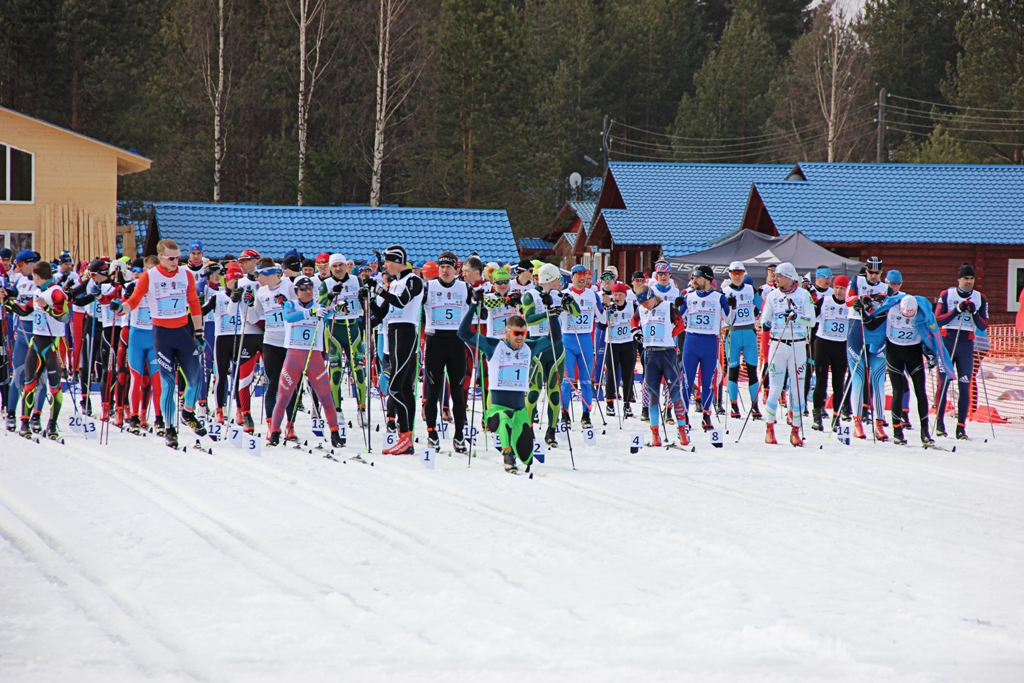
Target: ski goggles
point(516, 333)
point(267, 271)
point(137, 270)
point(304, 287)
point(825, 273)
point(501, 282)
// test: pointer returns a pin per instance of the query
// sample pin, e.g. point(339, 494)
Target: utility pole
point(880, 150)
point(606, 142)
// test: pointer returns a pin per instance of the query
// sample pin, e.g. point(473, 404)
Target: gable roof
point(535, 243)
point(585, 212)
point(127, 162)
point(936, 203)
point(678, 204)
point(352, 230)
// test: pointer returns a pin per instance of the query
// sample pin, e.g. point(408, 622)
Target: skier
point(546, 373)
point(741, 340)
point(444, 305)
point(172, 299)
point(620, 360)
point(19, 298)
point(864, 351)
point(655, 325)
point(789, 313)
point(833, 323)
point(904, 353)
point(142, 363)
point(225, 305)
point(271, 296)
point(304, 339)
point(345, 341)
point(703, 311)
point(524, 277)
point(961, 312)
point(578, 341)
point(510, 361)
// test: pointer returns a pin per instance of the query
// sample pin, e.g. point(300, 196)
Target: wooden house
point(59, 189)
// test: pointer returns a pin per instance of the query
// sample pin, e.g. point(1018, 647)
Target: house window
point(1014, 283)
point(16, 241)
point(17, 173)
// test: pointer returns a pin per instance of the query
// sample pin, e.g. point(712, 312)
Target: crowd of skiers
point(179, 338)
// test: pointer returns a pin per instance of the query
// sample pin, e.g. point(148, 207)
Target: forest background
point(493, 103)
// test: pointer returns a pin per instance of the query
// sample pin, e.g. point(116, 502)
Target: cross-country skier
point(340, 288)
point(546, 374)
point(620, 361)
point(271, 296)
point(578, 341)
point(142, 363)
point(703, 311)
point(833, 325)
point(655, 326)
point(864, 350)
point(741, 340)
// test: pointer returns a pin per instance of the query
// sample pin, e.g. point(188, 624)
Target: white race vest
point(704, 313)
point(26, 288)
point(834, 321)
point(509, 370)
point(43, 323)
point(409, 313)
point(583, 322)
point(541, 328)
point(657, 325)
point(168, 296)
point(964, 320)
point(273, 312)
point(743, 314)
point(900, 330)
point(445, 306)
point(619, 330)
point(226, 321)
point(864, 287)
point(497, 319)
point(349, 294)
point(304, 334)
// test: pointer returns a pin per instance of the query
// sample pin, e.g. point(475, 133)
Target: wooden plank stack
point(65, 226)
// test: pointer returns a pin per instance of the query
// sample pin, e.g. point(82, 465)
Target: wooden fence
point(74, 228)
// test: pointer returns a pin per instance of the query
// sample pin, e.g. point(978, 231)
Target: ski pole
point(991, 423)
point(472, 387)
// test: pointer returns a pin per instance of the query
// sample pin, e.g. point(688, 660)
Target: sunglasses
point(608, 278)
point(874, 272)
point(304, 288)
point(501, 282)
point(517, 333)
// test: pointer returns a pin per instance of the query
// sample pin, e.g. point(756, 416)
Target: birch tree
point(840, 72)
point(398, 65)
point(312, 18)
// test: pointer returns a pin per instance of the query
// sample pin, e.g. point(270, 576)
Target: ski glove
point(680, 300)
point(248, 296)
point(731, 300)
point(790, 315)
point(966, 306)
point(115, 305)
point(638, 336)
point(279, 299)
point(545, 298)
point(337, 288)
point(932, 361)
point(200, 338)
point(236, 294)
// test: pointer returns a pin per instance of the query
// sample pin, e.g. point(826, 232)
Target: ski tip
point(377, 429)
point(821, 447)
point(416, 440)
point(954, 449)
point(350, 424)
point(603, 432)
point(693, 449)
point(305, 443)
point(986, 440)
point(726, 431)
point(371, 463)
point(531, 475)
point(184, 449)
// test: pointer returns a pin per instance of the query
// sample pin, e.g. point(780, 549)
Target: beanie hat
point(841, 281)
point(396, 254)
point(323, 257)
point(430, 270)
point(894, 277)
point(332, 259)
point(619, 287)
point(966, 270)
point(233, 271)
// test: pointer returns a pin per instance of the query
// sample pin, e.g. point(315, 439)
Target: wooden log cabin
point(58, 189)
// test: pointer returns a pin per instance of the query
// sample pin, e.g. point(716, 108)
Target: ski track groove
point(117, 616)
point(225, 537)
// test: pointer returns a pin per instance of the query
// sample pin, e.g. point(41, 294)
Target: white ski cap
point(788, 271)
point(548, 273)
point(337, 258)
point(737, 265)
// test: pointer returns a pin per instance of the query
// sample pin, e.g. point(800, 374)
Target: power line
point(956, 106)
point(972, 142)
point(976, 120)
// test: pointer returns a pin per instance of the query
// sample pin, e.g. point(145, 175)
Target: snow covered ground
point(131, 562)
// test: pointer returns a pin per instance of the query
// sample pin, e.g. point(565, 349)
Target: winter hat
point(894, 277)
point(525, 264)
point(704, 272)
point(841, 281)
point(548, 273)
point(579, 269)
point(396, 254)
point(291, 262)
point(99, 267)
point(65, 257)
point(6, 253)
point(233, 271)
point(430, 270)
point(663, 267)
point(638, 275)
point(197, 245)
point(249, 254)
point(323, 257)
point(332, 259)
point(26, 256)
point(293, 252)
point(737, 265)
point(966, 270)
point(788, 271)
point(308, 263)
point(619, 287)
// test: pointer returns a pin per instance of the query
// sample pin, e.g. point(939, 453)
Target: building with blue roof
point(648, 209)
point(355, 231)
point(924, 220)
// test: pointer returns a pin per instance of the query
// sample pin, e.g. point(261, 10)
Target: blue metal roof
point(682, 204)
point(585, 212)
point(352, 230)
point(935, 203)
point(534, 243)
point(570, 237)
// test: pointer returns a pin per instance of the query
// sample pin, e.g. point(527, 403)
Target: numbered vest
point(900, 330)
point(509, 370)
point(542, 327)
point(410, 312)
point(42, 322)
point(582, 322)
point(168, 295)
point(226, 318)
point(965, 320)
point(26, 288)
point(104, 311)
point(657, 326)
point(777, 304)
point(304, 334)
point(273, 313)
point(444, 306)
point(619, 330)
point(140, 318)
point(349, 294)
point(703, 313)
point(834, 321)
point(497, 319)
point(743, 314)
point(865, 287)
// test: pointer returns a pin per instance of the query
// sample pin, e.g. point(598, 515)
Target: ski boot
point(845, 414)
point(769, 434)
point(460, 445)
point(86, 405)
point(609, 408)
point(684, 438)
point(897, 435)
point(143, 427)
point(336, 440)
point(274, 438)
point(51, 430)
point(190, 419)
point(734, 410)
point(565, 419)
point(289, 433)
point(171, 437)
point(158, 426)
point(794, 437)
point(755, 414)
point(247, 424)
point(133, 425)
point(719, 410)
point(926, 438)
point(706, 421)
point(35, 422)
point(12, 422)
point(627, 412)
point(940, 428)
point(105, 412)
point(220, 416)
point(585, 422)
point(858, 429)
point(392, 426)
point(816, 421)
point(26, 430)
point(655, 436)
point(118, 417)
point(510, 460)
point(906, 421)
point(961, 433)
point(667, 416)
point(402, 447)
point(880, 434)
point(549, 438)
point(645, 415)
point(446, 414)
point(433, 440)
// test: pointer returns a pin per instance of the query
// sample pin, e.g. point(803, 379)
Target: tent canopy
point(758, 251)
